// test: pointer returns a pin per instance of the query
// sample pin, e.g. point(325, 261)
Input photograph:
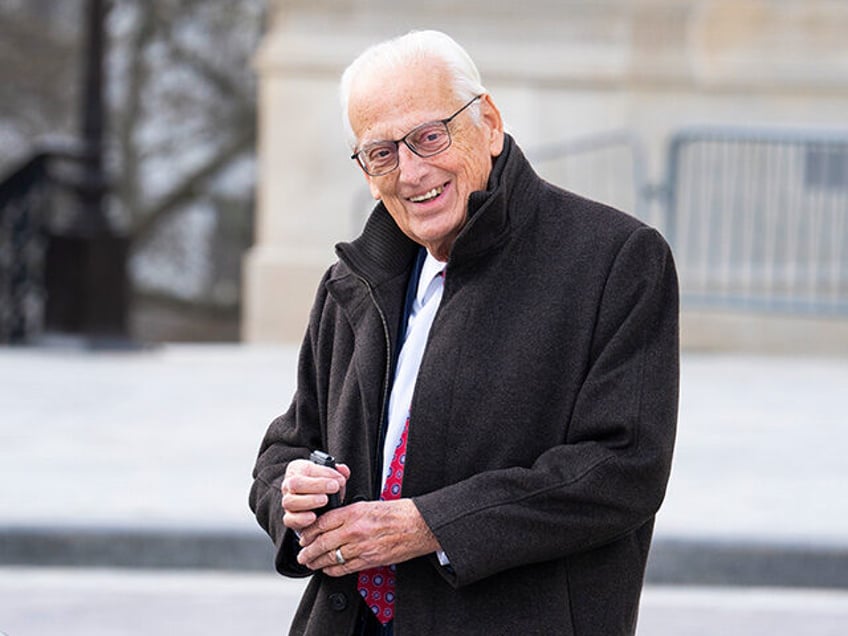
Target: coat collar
point(382, 251)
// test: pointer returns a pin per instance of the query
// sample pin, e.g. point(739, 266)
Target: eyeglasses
point(426, 140)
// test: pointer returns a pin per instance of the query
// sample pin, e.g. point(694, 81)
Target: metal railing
point(45, 240)
point(758, 218)
point(22, 249)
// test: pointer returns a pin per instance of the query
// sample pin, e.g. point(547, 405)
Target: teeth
point(432, 194)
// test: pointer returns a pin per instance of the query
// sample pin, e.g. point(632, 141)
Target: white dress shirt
point(427, 299)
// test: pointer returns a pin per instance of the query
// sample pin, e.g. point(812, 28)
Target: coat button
point(338, 601)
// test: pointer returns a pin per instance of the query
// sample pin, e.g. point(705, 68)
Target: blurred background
point(173, 177)
point(129, 137)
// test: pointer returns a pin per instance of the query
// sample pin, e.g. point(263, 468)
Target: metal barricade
point(757, 218)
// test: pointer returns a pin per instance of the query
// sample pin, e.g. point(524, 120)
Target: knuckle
point(321, 544)
point(289, 485)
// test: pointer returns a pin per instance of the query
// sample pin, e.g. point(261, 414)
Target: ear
point(493, 124)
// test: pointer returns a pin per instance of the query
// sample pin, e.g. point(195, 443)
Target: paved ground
point(143, 459)
point(79, 602)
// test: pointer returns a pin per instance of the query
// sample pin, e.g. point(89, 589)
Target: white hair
point(404, 50)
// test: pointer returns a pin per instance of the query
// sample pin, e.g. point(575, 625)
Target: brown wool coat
point(542, 423)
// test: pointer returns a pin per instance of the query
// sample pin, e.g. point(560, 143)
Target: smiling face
point(427, 197)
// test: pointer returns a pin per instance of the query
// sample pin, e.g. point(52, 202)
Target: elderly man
point(493, 363)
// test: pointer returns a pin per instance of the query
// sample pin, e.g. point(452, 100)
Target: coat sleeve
point(609, 477)
point(290, 436)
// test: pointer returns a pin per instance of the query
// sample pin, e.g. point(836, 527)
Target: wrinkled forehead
point(387, 102)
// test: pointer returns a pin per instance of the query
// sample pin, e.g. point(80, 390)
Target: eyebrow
point(391, 140)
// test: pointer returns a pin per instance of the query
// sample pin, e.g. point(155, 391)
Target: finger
point(344, 470)
point(328, 523)
point(304, 477)
point(353, 562)
point(299, 502)
point(322, 538)
point(342, 569)
point(321, 562)
point(304, 485)
point(316, 554)
point(339, 570)
point(298, 521)
point(328, 562)
point(310, 469)
point(301, 467)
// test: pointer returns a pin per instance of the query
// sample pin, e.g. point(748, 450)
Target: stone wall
point(558, 69)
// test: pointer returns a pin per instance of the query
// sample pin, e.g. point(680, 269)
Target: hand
point(305, 488)
point(368, 534)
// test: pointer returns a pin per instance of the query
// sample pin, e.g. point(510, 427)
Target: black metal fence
point(22, 249)
point(58, 271)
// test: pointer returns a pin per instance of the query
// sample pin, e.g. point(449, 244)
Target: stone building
point(559, 70)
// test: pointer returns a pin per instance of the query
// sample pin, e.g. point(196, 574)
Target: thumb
point(344, 469)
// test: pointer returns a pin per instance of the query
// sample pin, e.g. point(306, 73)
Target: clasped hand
point(367, 534)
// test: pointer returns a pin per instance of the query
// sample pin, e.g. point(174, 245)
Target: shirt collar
point(429, 270)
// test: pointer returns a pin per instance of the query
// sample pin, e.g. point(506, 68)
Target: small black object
point(325, 459)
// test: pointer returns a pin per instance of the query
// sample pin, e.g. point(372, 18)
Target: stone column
point(305, 183)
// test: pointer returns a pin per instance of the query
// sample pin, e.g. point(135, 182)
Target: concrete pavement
point(86, 602)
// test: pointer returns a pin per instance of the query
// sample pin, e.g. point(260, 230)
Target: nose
point(411, 167)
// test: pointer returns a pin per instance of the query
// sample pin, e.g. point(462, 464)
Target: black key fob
point(325, 459)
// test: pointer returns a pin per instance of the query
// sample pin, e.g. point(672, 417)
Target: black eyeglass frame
point(356, 156)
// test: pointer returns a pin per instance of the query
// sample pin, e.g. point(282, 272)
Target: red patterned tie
point(377, 585)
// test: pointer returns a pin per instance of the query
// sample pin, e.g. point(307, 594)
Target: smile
point(432, 194)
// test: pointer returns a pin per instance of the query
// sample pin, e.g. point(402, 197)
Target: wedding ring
point(339, 556)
